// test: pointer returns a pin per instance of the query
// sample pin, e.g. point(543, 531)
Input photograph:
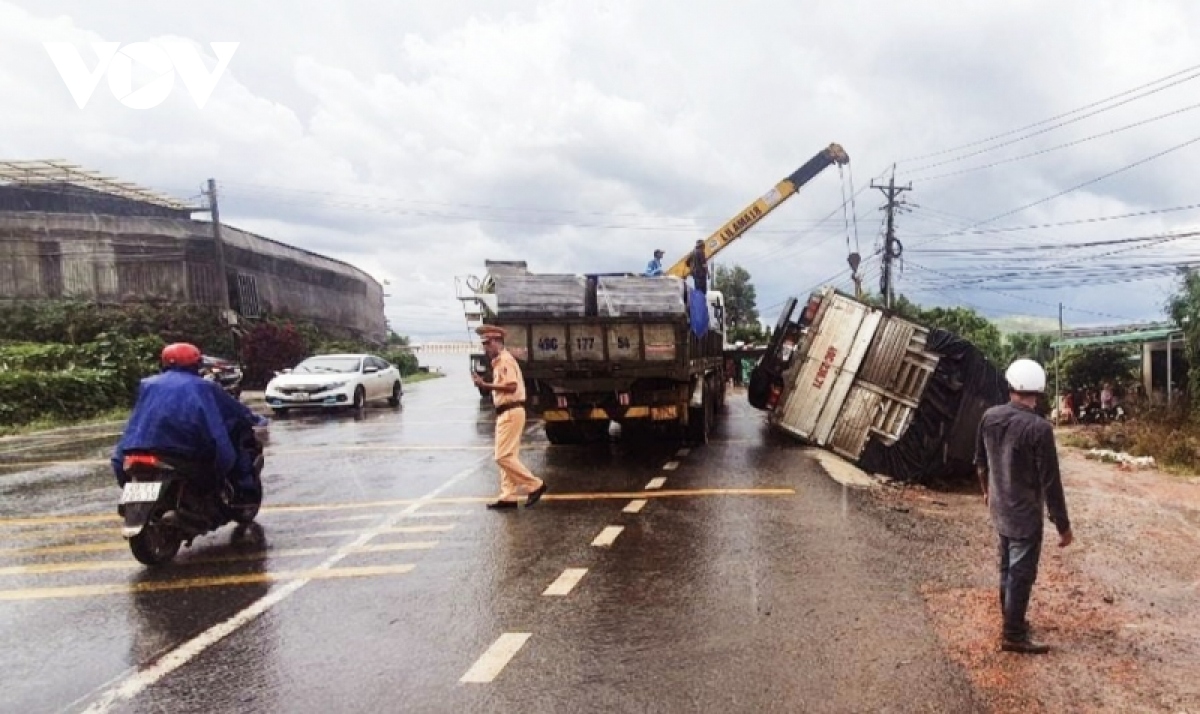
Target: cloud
point(418, 142)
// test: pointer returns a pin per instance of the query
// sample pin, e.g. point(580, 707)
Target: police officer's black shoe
point(1026, 646)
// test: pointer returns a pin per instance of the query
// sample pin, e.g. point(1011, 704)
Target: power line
point(1076, 222)
point(1089, 182)
point(1047, 150)
point(1027, 127)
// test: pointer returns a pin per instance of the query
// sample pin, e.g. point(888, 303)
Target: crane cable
point(849, 208)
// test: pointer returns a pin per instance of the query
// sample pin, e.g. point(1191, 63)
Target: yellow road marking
point(382, 531)
point(62, 533)
point(39, 464)
point(59, 549)
point(392, 547)
point(298, 508)
point(131, 564)
point(77, 591)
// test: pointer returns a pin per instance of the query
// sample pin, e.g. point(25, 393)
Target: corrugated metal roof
point(57, 171)
point(1125, 338)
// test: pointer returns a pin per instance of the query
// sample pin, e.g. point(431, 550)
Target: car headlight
point(335, 385)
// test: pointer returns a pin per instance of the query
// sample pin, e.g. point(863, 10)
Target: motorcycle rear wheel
point(155, 545)
point(245, 515)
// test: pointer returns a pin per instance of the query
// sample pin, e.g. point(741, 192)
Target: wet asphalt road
point(747, 581)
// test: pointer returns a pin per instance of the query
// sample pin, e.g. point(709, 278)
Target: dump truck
point(886, 393)
point(646, 353)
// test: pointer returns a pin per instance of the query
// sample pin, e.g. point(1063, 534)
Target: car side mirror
point(370, 370)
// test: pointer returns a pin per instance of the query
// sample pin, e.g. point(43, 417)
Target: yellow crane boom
point(752, 214)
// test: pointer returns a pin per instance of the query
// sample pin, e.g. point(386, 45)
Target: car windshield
point(328, 365)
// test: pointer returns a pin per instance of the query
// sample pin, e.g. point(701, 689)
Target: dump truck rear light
point(562, 402)
point(623, 399)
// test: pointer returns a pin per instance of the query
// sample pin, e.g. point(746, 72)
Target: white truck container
point(884, 392)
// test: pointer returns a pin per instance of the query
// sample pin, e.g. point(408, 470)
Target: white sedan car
point(335, 381)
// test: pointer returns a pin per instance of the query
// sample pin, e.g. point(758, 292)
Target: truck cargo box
point(891, 395)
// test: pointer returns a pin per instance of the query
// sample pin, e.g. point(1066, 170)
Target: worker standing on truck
point(508, 395)
point(654, 268)
point(698, 265)
point(1018, 471)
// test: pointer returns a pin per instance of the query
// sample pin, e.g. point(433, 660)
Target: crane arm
point(752, 214)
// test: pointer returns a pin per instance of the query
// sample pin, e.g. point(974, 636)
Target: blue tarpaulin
point(698, 312)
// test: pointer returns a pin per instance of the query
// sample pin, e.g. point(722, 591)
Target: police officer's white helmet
point(1027, 376)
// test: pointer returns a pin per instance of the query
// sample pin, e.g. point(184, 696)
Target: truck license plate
point(141, 492)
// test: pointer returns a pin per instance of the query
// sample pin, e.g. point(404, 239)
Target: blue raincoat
point(181, 414)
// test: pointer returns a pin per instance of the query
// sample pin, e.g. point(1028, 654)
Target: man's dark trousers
point(1018, 570)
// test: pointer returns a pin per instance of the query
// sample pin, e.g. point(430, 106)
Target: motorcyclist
point(181, 415)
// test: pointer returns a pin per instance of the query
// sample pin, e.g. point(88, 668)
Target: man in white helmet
point(1018, 471)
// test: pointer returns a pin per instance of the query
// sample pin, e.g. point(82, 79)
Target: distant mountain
point(1025, 323)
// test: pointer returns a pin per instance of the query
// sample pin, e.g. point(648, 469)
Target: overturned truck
point(890, 395)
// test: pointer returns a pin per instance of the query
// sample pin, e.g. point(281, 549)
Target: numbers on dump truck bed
point(548, 344)
point(585, 343)
point(624, 343)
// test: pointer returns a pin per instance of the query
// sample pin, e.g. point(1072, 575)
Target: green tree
point(1090, 368)
point(1184, 309)
point(1030, 346)
point(741, 310)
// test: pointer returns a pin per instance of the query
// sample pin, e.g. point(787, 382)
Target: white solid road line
point(489, 666)
point(635, 506)
point(670, 466)
point(566, 582)
point(138, 679)
point(656, 483)
point(608, 536)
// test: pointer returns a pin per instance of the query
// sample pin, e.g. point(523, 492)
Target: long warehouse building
point(70, 234)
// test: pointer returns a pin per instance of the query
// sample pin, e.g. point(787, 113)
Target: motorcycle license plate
point(141, 492)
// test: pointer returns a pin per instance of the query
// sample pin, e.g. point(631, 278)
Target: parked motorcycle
point(165, 505)
point(224, 372)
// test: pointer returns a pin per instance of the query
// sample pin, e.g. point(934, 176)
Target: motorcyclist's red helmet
point(181, 354)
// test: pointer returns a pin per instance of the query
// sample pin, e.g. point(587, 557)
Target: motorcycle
point(223, 372)
point(165, 505)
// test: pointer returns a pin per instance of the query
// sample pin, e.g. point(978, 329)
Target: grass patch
point(53, 422)
point(422, 377)
point(1173, 442)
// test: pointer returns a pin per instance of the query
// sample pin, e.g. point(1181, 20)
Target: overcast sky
point(417, 139)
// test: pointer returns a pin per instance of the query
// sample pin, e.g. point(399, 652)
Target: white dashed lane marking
point(566, 582)
point(607, 536)
point(635, 506)
point(670, 466)
point(683, 452)
point(656, 483)
point(492, 662)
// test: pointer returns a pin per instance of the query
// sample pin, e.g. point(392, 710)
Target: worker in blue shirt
point(654, 268)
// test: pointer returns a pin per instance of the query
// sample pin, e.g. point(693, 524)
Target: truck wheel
point(563, 433)
point(700, 419)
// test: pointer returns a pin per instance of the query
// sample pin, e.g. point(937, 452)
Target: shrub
point(128, 359)
point(76, 393)
point(269, 348)
point(75, 322)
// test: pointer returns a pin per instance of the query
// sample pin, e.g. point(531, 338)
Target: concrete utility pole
point(222, 276)
point(891, 247)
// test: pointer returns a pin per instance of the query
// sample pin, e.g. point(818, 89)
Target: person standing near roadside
point(508, 395)
point(1017, 463)
point(698, 265)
